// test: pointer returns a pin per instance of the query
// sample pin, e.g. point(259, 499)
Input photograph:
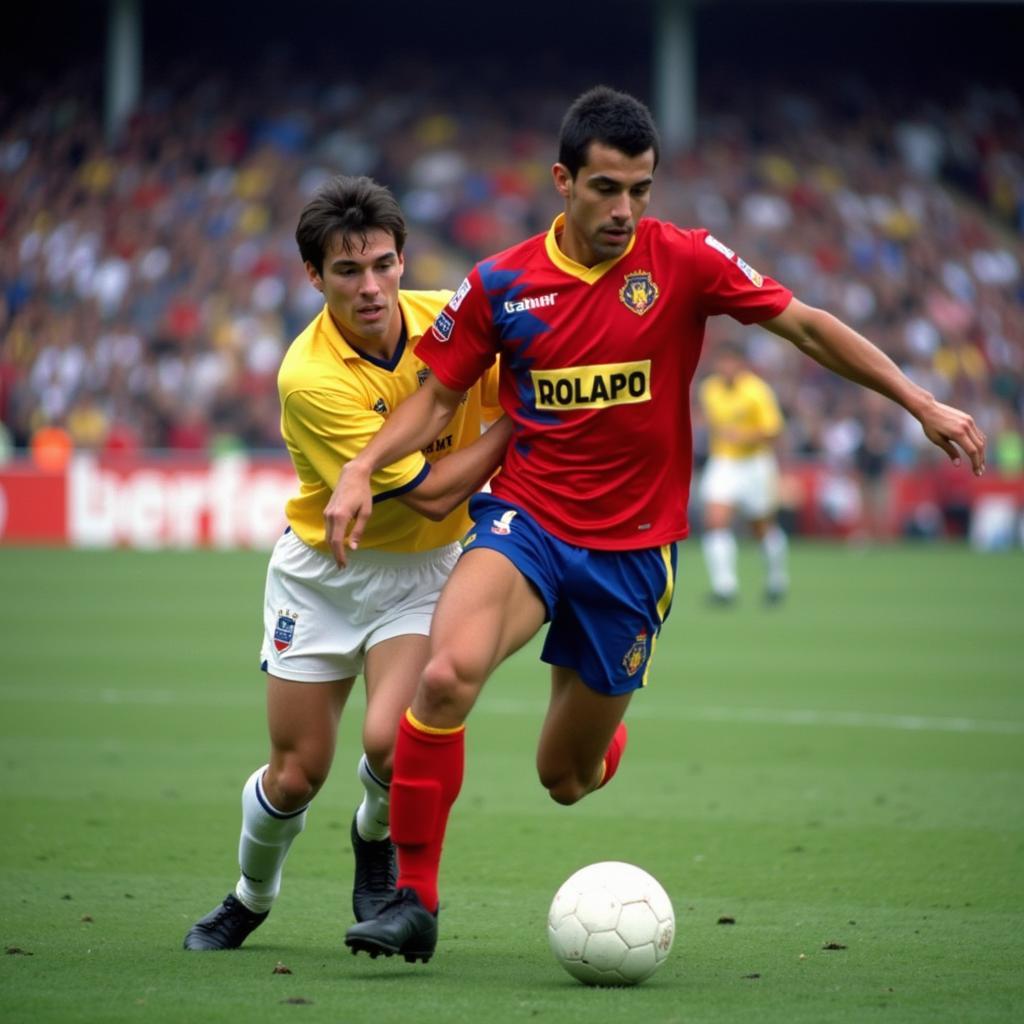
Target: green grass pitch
point(847, 769)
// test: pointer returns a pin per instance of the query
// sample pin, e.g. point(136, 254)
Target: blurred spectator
point(51, 448)
point(877, 441)
point(6, 444)
point(1008, 445)
point(147, 291)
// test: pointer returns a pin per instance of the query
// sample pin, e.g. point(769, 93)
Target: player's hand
point(952, 429)
point(350, 504)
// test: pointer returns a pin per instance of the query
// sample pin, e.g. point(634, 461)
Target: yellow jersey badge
point(639, 292)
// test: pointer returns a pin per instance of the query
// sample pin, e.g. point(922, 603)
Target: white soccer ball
point(611, 924)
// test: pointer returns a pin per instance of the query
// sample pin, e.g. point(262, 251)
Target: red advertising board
point(33, 505)
point(159, 501)
point(149, 502)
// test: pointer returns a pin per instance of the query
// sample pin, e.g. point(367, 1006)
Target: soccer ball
point(611, 924)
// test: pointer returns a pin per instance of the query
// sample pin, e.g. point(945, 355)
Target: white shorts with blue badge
point(319, 620)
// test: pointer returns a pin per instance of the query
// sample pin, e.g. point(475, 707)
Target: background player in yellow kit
point(741, 474)
point(339, 381)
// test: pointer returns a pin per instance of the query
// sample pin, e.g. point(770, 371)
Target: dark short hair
point(612, 118)
point(351, 207)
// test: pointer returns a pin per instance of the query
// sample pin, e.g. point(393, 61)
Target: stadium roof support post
point(675, 73)
point(123, 65)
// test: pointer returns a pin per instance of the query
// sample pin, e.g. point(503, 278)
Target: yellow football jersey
point(748, 404)
point(333, 400)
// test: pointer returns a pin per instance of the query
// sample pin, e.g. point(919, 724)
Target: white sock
point(775, 547)
point(372, 815)
point(720, 558)
point(267, 834)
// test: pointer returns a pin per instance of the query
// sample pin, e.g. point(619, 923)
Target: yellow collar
point(335, 337)
point(347, 350)
point(589, 275)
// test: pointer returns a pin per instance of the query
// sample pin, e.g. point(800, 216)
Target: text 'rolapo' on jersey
point(596, 365)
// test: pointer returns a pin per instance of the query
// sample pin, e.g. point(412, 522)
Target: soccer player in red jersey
point(599, 324)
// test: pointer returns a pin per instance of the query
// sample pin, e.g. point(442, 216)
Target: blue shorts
point(605, 607)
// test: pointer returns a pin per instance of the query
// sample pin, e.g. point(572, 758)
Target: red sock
point(426, 781)
point(613, 755)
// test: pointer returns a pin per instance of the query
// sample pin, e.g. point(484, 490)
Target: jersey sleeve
point(461, 344)
point(769, 415)
point(352, 426)
point(728, 284)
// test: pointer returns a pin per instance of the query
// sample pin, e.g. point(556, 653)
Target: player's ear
point(314, 276)
point(563, 180)
point(401, 264)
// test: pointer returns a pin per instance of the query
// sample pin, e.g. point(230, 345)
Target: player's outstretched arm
point(455, 477)
point(412, 426)
point(841, 349)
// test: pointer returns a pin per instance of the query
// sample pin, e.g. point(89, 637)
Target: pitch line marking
point(503, 706)
point(794, 716)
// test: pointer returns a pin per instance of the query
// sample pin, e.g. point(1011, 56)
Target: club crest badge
point(421, 375)
point(284, 632)
point(634, 658)
point(639, 292)
point(443, 326)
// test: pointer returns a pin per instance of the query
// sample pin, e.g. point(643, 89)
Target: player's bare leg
point(580, 727)
point(775, 549)
point(487, 610)
point(303, 723)
point(719, 546)
point(392, 670)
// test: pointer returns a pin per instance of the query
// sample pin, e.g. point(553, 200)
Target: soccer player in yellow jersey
point(339, 381)
point(743, 422)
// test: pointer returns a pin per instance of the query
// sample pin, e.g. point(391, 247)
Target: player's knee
point(379, 747)
point(567, 792)
point(564, 787)
point(445, 690)
point(295, 782)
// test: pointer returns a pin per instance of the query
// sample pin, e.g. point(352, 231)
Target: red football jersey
point(596, 365)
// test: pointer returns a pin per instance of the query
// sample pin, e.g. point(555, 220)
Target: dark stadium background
point(922, 44)
point(504, 73)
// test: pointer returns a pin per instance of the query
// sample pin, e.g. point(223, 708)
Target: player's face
point(360, 285)
point(729, 366)
point(604, 202)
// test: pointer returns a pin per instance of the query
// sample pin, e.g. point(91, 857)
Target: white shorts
point(749, 485)
point(319, 621)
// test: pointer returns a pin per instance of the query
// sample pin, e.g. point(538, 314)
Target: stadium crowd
point(148, 289)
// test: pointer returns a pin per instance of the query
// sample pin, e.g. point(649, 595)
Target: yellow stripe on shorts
point(663, 603)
